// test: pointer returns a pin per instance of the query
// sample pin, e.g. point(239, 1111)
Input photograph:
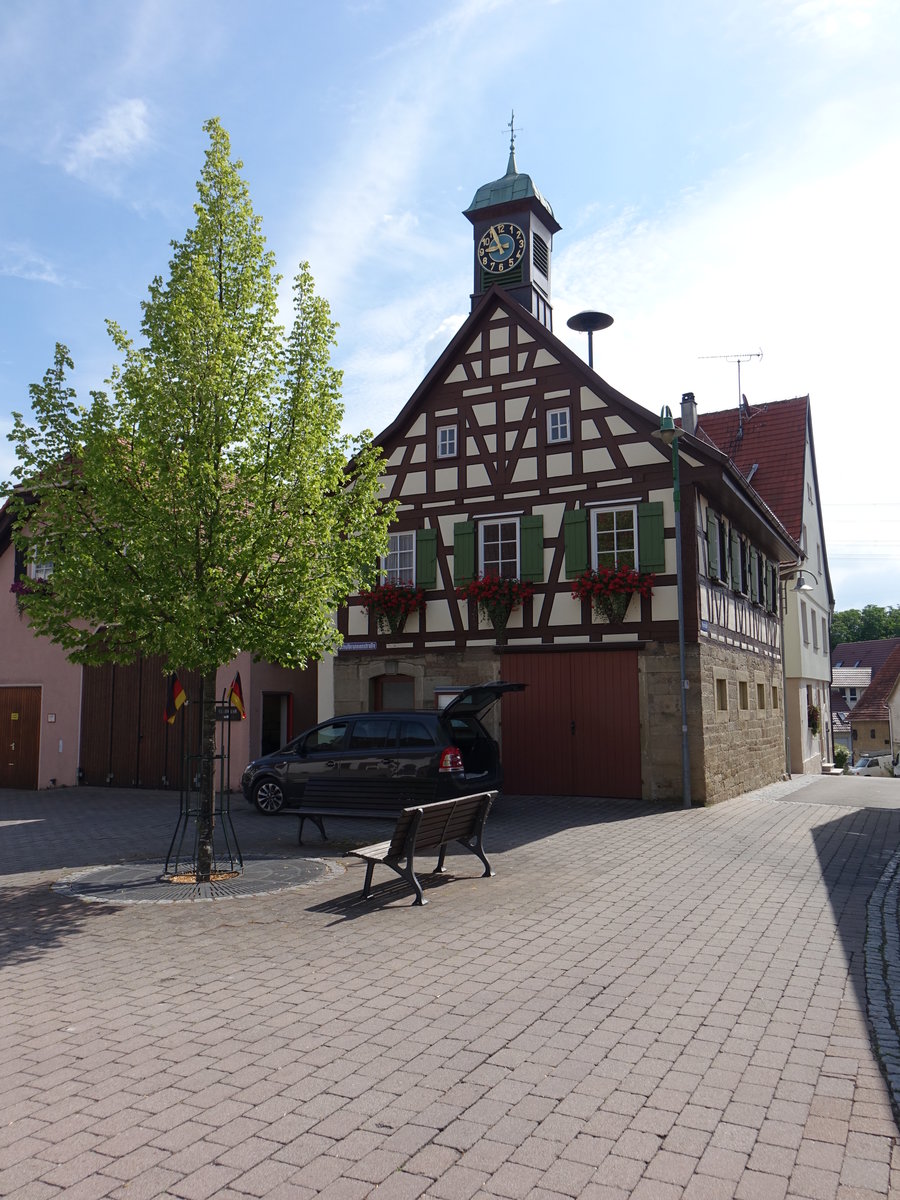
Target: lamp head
point(667, 431)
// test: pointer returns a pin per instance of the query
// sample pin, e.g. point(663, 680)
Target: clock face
point(501, 248)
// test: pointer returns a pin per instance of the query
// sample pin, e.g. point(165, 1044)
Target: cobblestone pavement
point(643, 1002)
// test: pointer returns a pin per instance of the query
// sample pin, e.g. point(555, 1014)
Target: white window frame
point(614, 508)
point(561, 430)
point(447, 441)
point(487, 523)
point(39, 571)
point(401, 543)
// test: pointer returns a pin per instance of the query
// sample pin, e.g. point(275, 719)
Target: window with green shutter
point(575, 532)
point(426, 558)
point(463, 553)
point(736, 551)
point(712, 545)
point(532, 548)
point(651, 538)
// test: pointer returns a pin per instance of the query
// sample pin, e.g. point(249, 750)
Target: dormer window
point(446, 441)
point(558, 425)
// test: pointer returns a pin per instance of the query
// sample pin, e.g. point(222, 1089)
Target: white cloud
point(18, 261)
point(115, 140)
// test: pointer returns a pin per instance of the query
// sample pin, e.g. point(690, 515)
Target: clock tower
point(514, 227)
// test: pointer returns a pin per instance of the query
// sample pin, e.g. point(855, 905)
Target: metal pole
point(685, 748)
point(782, 598)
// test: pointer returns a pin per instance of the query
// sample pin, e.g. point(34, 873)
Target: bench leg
point(406, 873)
point(318, 822)
point(439, 869)
point(474, 844)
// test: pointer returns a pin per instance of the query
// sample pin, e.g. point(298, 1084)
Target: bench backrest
point(441, 822)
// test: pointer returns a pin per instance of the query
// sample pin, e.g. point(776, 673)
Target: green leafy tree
point(869, 624)
point(207, 503)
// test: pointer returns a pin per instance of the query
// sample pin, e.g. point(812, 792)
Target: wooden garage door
point(575, 730)
point(20, 729)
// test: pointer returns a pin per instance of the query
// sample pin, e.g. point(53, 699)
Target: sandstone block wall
point(732, 750)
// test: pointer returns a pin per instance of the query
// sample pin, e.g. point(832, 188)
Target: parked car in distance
point(448, 747)
point(873, 764)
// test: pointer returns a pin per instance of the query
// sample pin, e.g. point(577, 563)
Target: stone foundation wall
point(660, 708)
point(743, 744)
point(733, 750)
point(355, 671)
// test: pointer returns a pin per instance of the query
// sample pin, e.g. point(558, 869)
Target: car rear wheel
point(268, 797)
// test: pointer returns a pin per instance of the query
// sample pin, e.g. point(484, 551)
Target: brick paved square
point(598, 1034)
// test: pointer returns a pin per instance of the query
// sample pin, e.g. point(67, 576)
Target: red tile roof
point(872, 654)
point(768, 440)
point(871, 706)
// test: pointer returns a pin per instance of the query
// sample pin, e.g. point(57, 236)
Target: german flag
point(174, 699)
point(236, 695)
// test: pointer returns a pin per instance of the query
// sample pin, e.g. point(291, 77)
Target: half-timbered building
point(515, 459)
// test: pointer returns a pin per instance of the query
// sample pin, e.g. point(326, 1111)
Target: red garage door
point(575, 730)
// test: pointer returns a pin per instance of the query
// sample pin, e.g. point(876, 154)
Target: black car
point(448, 746)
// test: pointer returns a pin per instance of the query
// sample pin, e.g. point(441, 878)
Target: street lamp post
point(669, 433)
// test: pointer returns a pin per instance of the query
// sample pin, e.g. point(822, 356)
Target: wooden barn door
point(20, 729)
point(125, 739)
point(575, 730)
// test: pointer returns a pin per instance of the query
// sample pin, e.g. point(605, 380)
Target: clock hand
point(498, 242)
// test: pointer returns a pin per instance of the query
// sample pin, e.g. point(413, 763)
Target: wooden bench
point(430, 827)
point(382, 799)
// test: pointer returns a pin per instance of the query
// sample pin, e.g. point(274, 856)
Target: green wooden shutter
point(735, 561)
point(575, 529)
point(532, 548)
point(754, 575)
point(426, 558)
point(463, 553)
point(652, 537)
point(712, 544)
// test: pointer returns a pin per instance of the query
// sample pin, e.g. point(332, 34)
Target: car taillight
point(451, 760)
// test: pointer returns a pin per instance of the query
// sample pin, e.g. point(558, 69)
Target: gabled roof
point(872, 654)
point(872, 705)
point(714, 470)
point(768, 440)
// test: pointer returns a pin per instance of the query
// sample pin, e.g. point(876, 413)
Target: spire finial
point(511, 168)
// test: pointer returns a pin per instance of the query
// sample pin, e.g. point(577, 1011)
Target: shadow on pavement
point(853, 852)
point(36, 919)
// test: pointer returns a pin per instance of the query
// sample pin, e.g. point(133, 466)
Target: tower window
point(540, 254)
point(446, 441)
point(558, 429)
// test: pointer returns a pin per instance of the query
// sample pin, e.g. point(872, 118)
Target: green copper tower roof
point(510, 187)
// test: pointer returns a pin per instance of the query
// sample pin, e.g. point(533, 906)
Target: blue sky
point(726, 175)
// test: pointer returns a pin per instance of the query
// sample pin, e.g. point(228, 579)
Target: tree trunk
point(206, 815)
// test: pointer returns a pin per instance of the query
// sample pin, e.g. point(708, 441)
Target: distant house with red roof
point(875, 721)
point(853, 664)
point(772, 447)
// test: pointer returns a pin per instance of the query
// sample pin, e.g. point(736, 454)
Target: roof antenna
point(743, 406)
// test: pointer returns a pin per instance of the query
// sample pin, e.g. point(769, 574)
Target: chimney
point(688, 412)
